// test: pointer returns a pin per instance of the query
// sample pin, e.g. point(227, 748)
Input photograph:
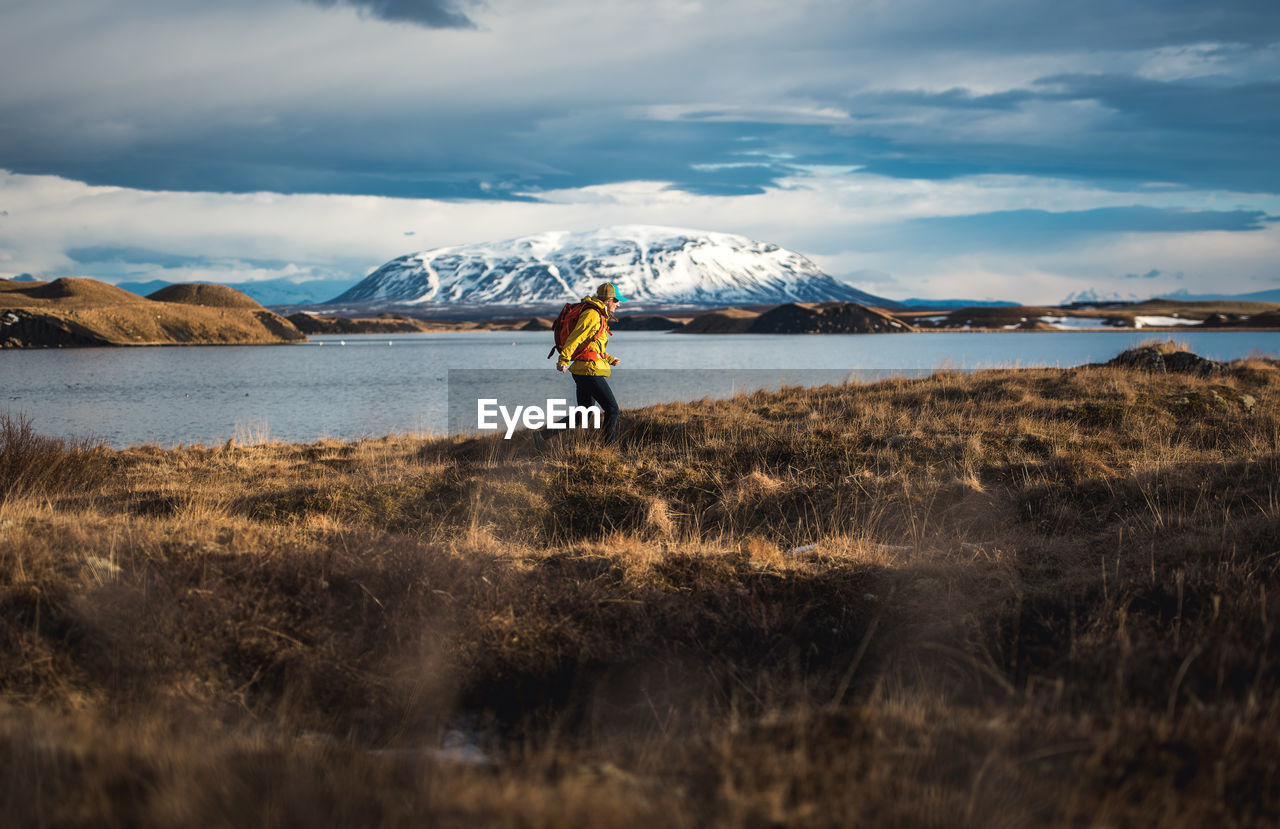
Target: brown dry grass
point(1018, 597)
point(79, 311)
point(70, 291)
point(37, 465)
point(171, 323)
point(209, 295)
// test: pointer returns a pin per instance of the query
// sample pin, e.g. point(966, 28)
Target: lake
point(370, 385)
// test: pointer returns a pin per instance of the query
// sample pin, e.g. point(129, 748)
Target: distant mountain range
point(1089, 295)
point(1092, 295)
point(651, 266)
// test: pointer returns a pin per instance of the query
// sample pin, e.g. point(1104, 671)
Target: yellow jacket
point(591, 330)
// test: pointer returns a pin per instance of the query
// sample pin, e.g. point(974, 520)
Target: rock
point(31, 329)
point(1164, 359)
point(826, 318)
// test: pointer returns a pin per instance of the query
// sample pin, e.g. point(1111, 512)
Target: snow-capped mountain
point(654, 265)
point(1089, 295)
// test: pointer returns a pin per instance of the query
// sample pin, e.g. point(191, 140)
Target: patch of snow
point(1076, 323)
point(1148, 322)
point(1092, 295)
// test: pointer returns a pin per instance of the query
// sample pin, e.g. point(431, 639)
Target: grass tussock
point(36, 465)
point(1016, 597)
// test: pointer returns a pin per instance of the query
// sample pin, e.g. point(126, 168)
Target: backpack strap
point(584, 351)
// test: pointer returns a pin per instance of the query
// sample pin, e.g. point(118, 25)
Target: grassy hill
point(207, 295)
point(1005, 598)
point(85, 312)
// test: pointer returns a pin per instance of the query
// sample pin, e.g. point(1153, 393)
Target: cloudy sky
point(1015, 149)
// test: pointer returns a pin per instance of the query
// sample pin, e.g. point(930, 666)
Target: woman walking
point(585, 356)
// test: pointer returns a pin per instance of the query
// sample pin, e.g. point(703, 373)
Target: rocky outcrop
point(827, 318)
point(21, 328)
point(1266, 319)
point(279, 326)
point(387, 324)
point(1166, 358)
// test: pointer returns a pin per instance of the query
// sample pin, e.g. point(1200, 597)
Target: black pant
point(596, 390)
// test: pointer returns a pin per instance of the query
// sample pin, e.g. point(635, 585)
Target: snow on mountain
point(654, 265)
point(1090, 295)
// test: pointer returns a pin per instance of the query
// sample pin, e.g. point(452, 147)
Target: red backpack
point(563, 327)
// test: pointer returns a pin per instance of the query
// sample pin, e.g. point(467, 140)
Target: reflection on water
point(374, 385)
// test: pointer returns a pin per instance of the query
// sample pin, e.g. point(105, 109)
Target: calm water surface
point(360, 386)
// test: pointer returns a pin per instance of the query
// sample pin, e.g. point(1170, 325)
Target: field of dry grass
point(1009, 598)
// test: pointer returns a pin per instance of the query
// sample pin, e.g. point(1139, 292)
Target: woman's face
point(611, 304)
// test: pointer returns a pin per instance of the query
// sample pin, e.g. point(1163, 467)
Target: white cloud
point(1202, 262)
point(836, 218)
